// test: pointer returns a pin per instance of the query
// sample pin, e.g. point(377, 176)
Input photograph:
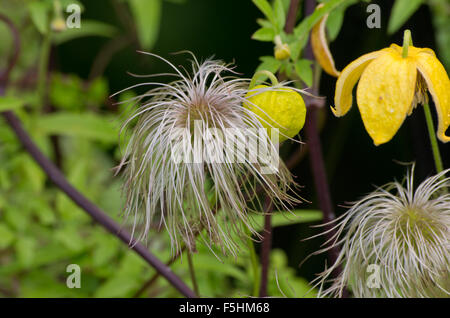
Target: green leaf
point(336, 18)
point(302, 30)
point(131, 265)
point(264, 34)
point(147, 14)
point(91, 126)
point(282, 218)
point(106, 249)
point(117, 286)
point(204, 262)
point(264, 23)
point(6, 236)
point(265, 8)
point(286, 4)
point(52, 253)
point(39, 15)
point(401, 12)
point(33, 173)
point(5, 181)
point(10, 103)
point(88, 28)
point(280, 15)
point(25, 251)
point(304, 71)
point(43, 211)
point(69, 237)
point(41, 284)
point(66, 91)
point(97, 91)
point(283, 281)
point(296, 48)
point(16, 218)
point(66, 3)
point(268, 63)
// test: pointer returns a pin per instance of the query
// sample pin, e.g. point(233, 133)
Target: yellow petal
point(385, 93)
point(438, 84)
point(347, 80)
point(320, 46)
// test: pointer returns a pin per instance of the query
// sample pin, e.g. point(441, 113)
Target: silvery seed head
point(395, 242)
point(182, 173)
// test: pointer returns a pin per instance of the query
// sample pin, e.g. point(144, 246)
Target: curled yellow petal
point(346, 81)
point(320, 48)
point(385, 93)
point(438, 84)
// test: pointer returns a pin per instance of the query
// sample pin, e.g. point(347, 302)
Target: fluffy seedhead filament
point(181, 173)
point(395, 242)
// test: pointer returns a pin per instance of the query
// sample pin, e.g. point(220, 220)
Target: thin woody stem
point(316, 157)
point(192, 273)
point(155, 276)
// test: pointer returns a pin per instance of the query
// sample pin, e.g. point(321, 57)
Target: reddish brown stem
point(316, 157)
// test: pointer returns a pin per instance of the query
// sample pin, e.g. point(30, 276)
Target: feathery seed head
point(196, 157)
point(395, 242)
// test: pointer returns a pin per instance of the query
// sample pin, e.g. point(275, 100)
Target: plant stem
point(407, 41)
point(316, 156)
point(291, 15)
point(270, 75)
point(255, 266)
point(43, 68)
point(192, 272)
point(175, 257)
point(155, 276)
point(433, 139)
point(266, 246)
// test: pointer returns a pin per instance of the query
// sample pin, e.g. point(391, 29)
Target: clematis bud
point(281, 50)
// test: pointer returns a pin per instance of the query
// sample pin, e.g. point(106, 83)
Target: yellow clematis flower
point(390, 86)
